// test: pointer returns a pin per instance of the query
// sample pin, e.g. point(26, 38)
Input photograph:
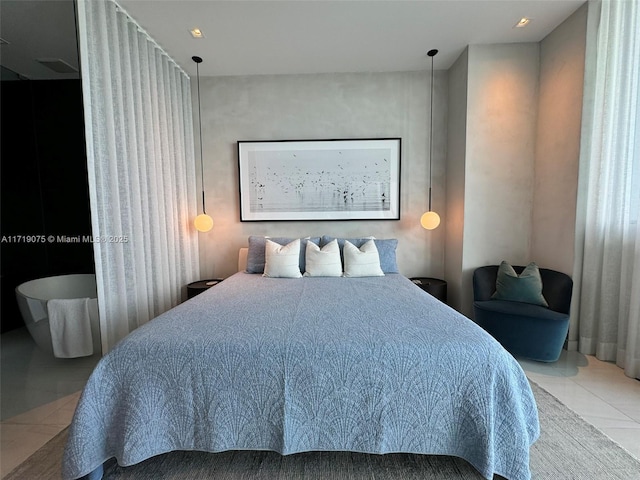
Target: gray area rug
point(568, 448)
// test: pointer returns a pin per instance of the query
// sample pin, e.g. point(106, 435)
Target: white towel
point(70, 326)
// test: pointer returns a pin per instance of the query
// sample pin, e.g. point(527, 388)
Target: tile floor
point(38, 396)
point(597, 391)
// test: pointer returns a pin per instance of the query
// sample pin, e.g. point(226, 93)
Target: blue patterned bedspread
point(370, 365)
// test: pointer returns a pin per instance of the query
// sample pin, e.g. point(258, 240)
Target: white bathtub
point(32, 299)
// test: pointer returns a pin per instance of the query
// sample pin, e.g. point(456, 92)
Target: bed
point(371, 364)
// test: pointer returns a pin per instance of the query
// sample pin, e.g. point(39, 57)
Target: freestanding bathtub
point(32, 299)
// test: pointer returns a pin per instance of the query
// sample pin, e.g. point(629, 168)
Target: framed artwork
point(355, 179)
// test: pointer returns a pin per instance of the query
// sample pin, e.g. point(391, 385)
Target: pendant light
point(430, 219)
point(203, 222)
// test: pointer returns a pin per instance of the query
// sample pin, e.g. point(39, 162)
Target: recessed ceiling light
point(523, 22)
point(196, 33)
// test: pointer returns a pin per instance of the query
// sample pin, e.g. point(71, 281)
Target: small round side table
point(434, 286)
point(195, 288)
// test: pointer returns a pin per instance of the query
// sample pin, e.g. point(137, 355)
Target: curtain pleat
point(606, 303)
point(141, 167)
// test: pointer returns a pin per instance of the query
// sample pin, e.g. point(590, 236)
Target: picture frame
point(348, 179)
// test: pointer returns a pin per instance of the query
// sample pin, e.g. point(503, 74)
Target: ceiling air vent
point(57, 65)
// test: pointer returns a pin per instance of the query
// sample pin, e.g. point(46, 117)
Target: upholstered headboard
point(242, 259)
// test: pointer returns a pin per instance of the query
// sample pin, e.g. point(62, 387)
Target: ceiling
point(291, 37)
point(38, 29)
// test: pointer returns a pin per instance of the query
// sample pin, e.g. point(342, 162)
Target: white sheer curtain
point(140, 156)
point(606, 302)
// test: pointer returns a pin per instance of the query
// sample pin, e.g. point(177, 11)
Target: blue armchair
point(526, 330)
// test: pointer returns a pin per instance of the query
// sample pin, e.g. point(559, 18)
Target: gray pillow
point(526, 287)
point(257, 244)
point(386, 250)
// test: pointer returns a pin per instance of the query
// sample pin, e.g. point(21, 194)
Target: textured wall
point(456, 156)
point(316, 107)
point(558, 143)
point(513, 155)
point(502, 106)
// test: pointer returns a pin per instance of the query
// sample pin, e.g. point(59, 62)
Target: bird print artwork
point(327, 180)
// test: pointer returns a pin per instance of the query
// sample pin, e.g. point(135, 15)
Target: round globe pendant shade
point(203, 222)
point(430, 220)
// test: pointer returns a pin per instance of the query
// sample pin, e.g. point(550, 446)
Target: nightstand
point(195, 288)
point(434, 286)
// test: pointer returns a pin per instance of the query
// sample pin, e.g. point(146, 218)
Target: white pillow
point(282, 260)
point(363, 261)
point(323, 262)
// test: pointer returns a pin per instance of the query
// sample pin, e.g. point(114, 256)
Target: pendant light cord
point(431, 53)
point(198, 61)
point(430, 132)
